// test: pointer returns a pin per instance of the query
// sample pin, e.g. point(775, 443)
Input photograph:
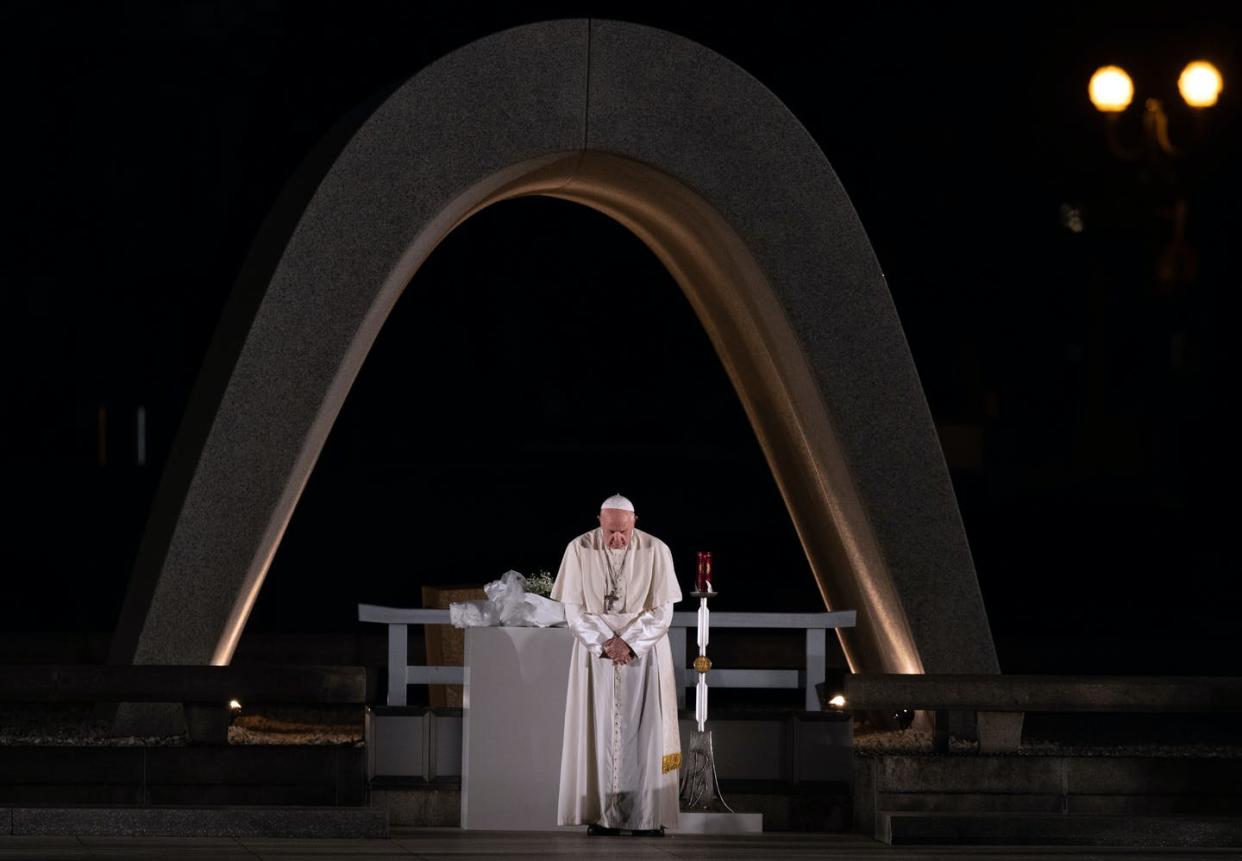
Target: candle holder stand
point(700, 787)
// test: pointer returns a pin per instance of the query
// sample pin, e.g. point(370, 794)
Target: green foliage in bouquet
point(540, 583)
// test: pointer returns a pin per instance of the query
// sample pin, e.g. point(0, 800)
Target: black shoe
point(602, 831)
point(648, 832)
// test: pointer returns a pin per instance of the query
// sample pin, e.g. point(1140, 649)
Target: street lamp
point(1200, 84)
point(1111, 90)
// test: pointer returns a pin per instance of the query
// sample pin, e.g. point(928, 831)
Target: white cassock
point(622, 748)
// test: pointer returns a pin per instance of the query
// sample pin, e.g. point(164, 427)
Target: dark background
point(1080, 393)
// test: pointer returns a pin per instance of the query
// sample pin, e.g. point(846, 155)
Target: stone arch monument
point(719, 179)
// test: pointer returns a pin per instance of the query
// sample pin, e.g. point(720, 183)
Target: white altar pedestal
point(512, 730)
point(513, 727)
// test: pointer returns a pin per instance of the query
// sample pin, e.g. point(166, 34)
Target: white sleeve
point(588, 628)
point(645, 631)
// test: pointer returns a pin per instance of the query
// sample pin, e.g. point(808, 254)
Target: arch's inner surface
point(756, 345)
point(540, 357)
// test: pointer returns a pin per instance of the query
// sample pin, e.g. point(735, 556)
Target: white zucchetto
point(617, 501)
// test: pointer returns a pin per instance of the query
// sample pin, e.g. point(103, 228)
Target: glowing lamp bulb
point(837, 702)
point(1111, 89)
point(234, 705)
point(1200, 83)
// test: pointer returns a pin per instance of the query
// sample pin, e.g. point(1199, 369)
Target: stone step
point(1056, 775)
point(784, 806)
point(1034, 829)
point(248, 821)
point(1092, 788)
point(190, 776)
point(1153, 803)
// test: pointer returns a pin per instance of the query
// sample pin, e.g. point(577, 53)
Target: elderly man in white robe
point(622, 749)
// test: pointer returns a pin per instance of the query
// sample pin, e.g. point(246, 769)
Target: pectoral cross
point(609, 600)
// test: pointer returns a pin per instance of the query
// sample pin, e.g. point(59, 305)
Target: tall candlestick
point(700, 788)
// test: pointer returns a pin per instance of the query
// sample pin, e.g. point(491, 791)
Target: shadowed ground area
point(434, 843)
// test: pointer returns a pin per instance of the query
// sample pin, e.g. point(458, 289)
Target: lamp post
point(1143, 302)
point(1111, 90)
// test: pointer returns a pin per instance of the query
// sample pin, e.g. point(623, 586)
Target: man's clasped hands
point(619, 651)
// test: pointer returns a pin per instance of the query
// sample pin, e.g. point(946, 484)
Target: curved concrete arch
point(718, 178)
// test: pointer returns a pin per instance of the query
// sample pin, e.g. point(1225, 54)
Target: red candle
point(703, 577)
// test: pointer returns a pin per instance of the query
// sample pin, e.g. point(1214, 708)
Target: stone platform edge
point(304, 822)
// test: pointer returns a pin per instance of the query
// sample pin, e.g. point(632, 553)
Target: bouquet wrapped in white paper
point(508, 603)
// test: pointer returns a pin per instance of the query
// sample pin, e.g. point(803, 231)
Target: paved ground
point(458, 845)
